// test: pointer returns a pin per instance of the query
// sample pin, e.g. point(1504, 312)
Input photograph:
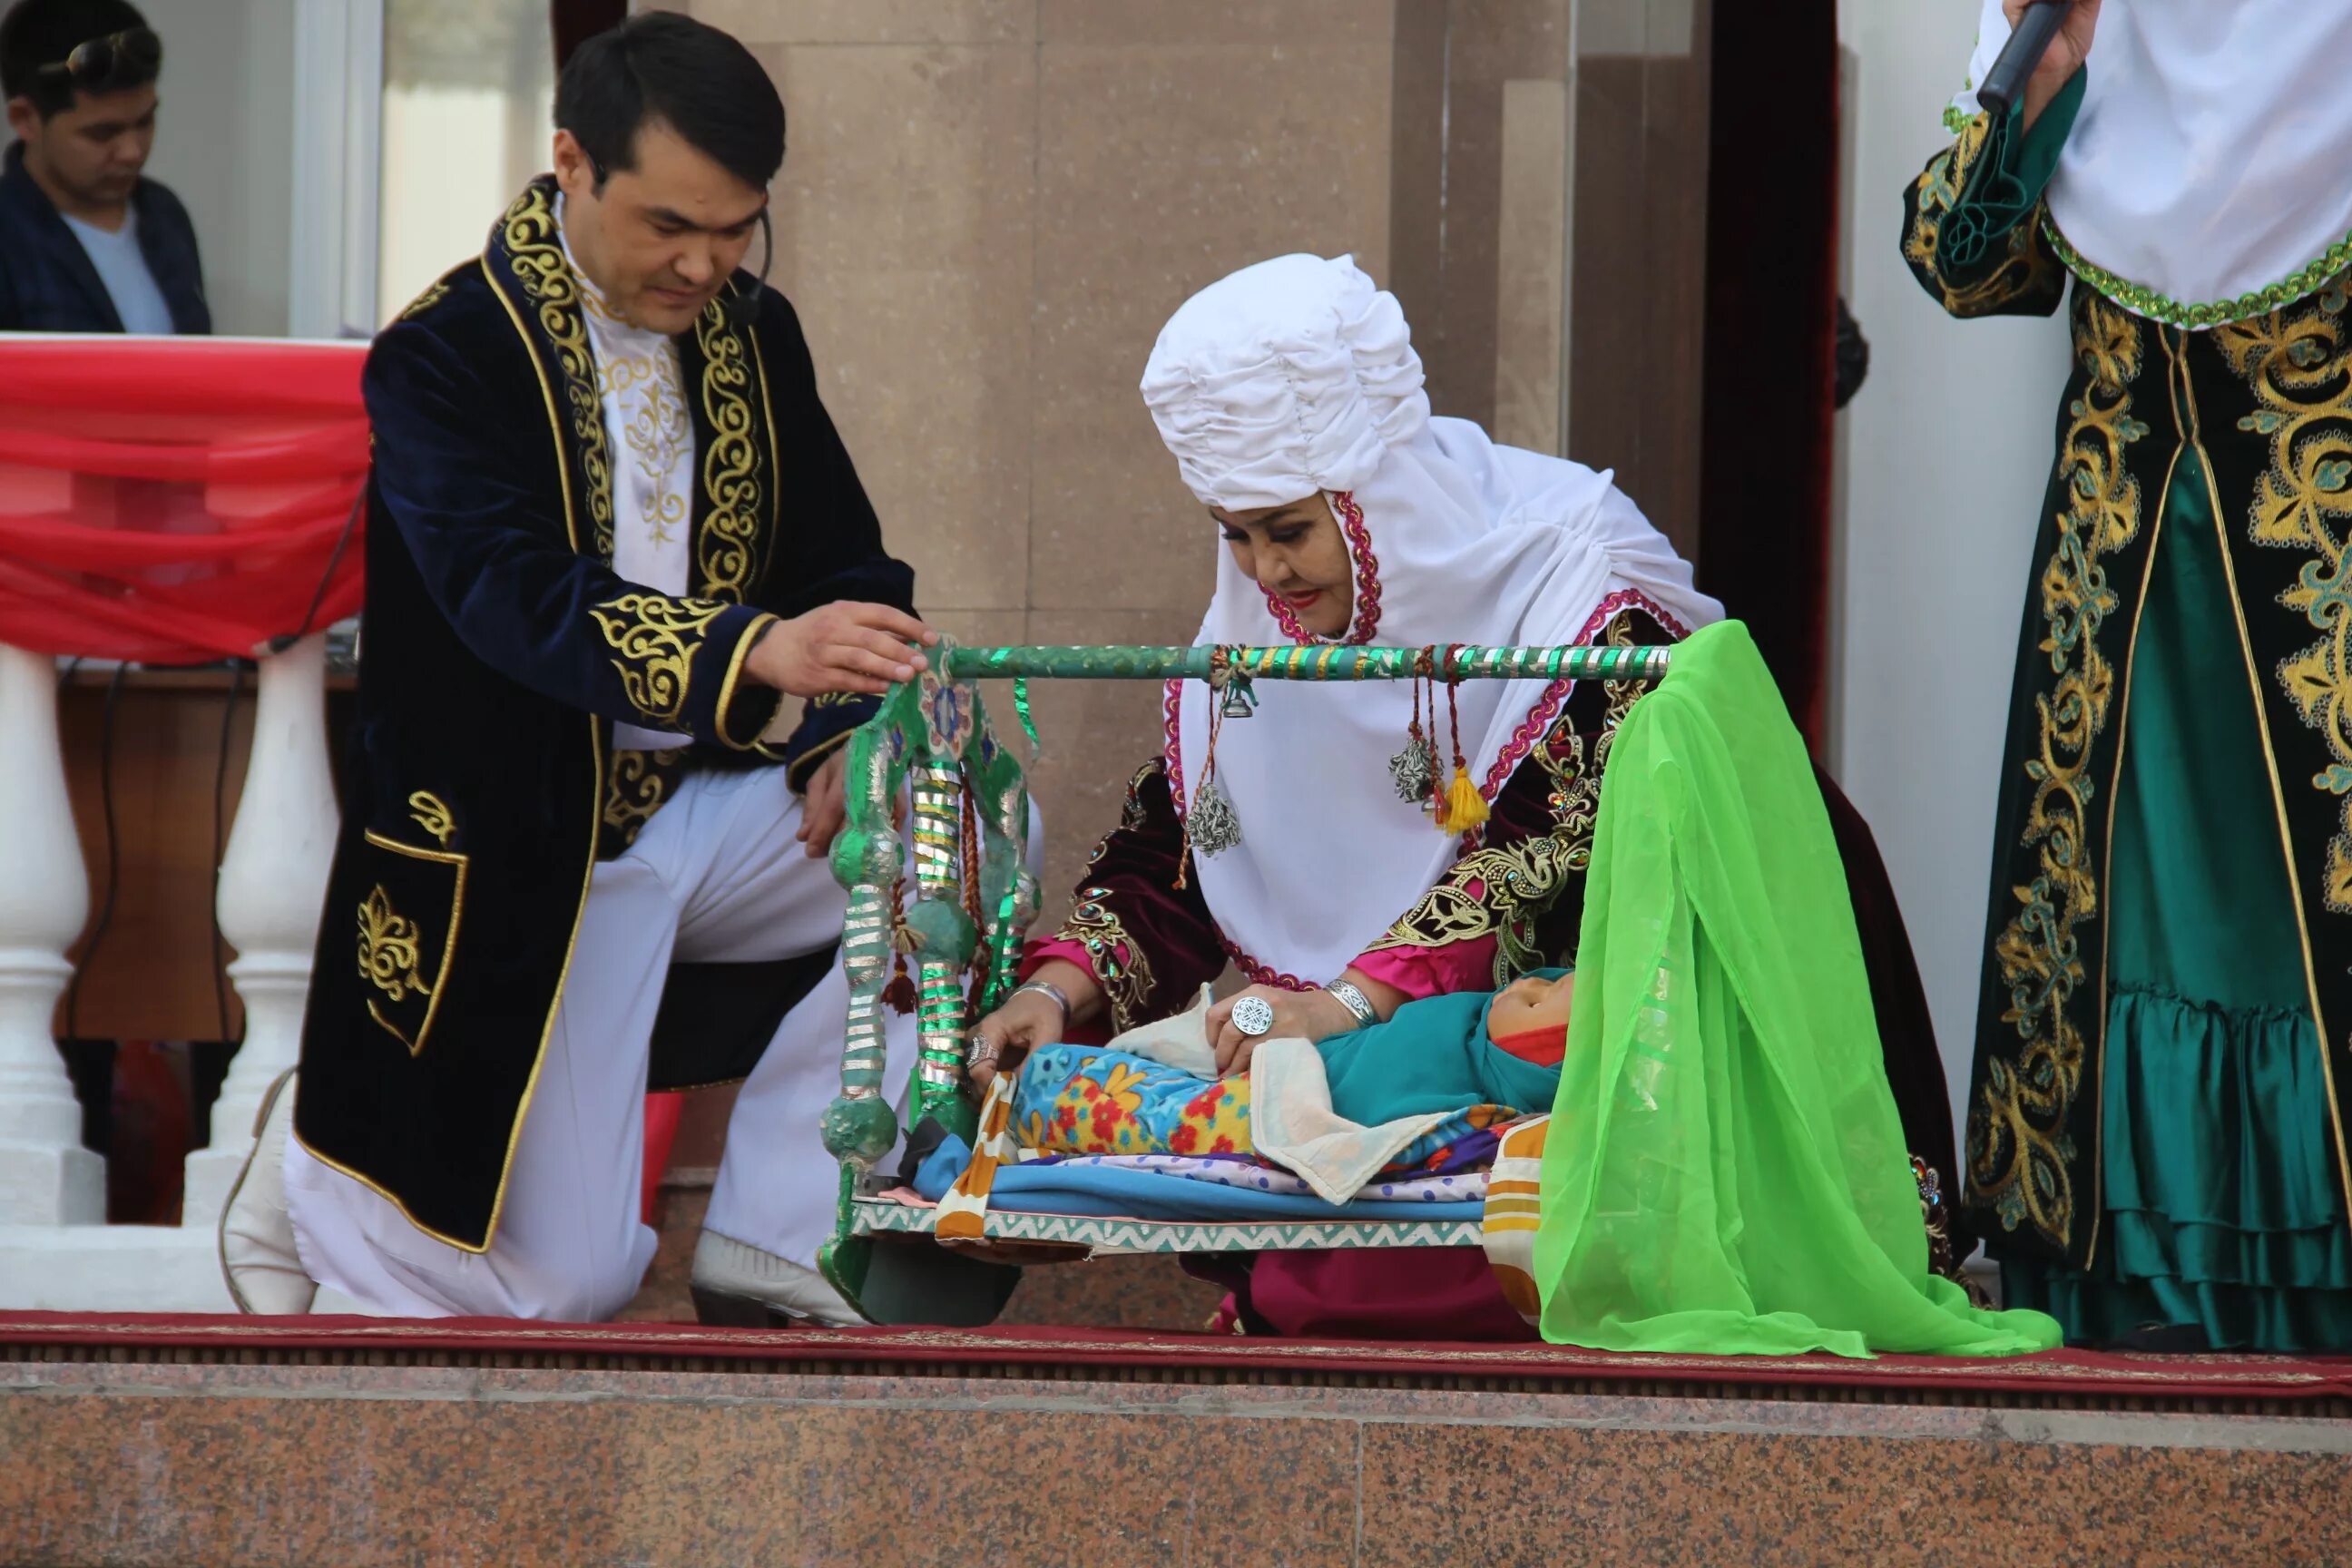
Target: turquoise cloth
point(1433, 1056)
point(2220, 1207)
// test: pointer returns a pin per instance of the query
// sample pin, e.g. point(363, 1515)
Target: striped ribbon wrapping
point(1512, 1211)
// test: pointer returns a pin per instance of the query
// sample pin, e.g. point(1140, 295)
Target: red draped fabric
point(177, 501)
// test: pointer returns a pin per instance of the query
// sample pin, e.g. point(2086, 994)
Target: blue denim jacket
point(47, 281)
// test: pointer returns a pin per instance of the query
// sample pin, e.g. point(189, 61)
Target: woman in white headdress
point(2157, 1126)
point(1299, 844)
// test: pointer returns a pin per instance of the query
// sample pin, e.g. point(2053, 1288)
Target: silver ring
point(1253, 1015)
point(982, 1050)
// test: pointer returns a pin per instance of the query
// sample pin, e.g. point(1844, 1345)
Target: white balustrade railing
point(55, 1251)
point(46, 1177)
point(273, 876)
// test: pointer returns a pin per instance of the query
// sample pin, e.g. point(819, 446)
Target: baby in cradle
point(1479, 1058)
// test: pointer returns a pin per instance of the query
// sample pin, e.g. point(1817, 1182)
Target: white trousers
point(715, 877)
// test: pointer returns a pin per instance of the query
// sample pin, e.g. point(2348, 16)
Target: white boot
point(737, 1285)
point(256, 1233)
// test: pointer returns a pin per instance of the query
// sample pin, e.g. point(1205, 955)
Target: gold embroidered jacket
point(499, 649)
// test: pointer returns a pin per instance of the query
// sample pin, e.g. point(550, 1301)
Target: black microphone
point(742, 309)
point(2028, 42)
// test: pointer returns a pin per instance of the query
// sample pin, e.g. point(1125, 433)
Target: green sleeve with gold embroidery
point(1972, 230)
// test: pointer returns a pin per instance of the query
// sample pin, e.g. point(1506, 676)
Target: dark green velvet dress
point(2155, 1124)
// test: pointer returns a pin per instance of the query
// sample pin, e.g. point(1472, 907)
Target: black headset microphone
point(742, 309)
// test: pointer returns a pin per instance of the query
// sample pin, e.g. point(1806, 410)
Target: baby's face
point(1529, 1004)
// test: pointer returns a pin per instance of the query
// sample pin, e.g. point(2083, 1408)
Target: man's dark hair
point(39, 33)
point(662, 67)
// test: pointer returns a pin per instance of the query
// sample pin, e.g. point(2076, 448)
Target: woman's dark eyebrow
point(1287, 518)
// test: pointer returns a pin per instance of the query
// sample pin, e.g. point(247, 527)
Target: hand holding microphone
point(2049, 41)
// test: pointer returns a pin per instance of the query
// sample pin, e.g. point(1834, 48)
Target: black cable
point(113, 857)
point(220, 845)
point(285, 640)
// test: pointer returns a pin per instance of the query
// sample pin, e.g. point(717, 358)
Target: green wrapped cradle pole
point(1324, 662)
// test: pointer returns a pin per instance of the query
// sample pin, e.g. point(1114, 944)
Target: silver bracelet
point(1355, 1001)
point(1047, 988)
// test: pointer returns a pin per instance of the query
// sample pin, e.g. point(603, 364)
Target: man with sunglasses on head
point(610, 527)
point(88, 242)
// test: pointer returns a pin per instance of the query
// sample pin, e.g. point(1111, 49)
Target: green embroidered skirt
point(2222, 1206)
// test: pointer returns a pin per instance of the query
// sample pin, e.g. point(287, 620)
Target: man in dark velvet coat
point(580, 855)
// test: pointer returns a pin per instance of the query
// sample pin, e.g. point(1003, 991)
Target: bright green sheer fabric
point(2221, 1201)
point(1726, 1171)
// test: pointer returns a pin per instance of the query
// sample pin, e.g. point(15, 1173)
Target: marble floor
point(191, 1465)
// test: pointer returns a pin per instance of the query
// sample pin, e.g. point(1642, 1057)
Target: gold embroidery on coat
point(1575, 797)
point(1132, 814)
point(2018, 1148)
point(537, 253)
point(391, 947)
point(657, 638)
point(2299, 366)
point(1116, 957)
point(730, 469)
point(2028, 266)
point(433, 295)
point(388, 948)
point(635, 789)
point(1518, 884)
point(432, 817)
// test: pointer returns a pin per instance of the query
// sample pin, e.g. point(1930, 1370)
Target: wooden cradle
point(973, 900)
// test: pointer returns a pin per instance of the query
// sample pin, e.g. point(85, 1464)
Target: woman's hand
point(2067, 52)
point(1298, 1015)
point(1030, 1019)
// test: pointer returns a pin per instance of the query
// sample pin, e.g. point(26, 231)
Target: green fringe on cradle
point(1725, 1173)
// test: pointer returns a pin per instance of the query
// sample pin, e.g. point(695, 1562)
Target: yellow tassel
point(1461, 808)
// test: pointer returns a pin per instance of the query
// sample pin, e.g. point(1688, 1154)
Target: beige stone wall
point(988, 210)
point(989, 207)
